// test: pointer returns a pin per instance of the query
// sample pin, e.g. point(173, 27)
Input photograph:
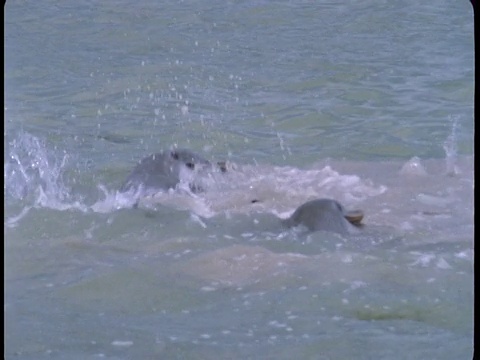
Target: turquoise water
point(370, 103)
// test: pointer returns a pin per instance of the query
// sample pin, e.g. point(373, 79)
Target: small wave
point(14, 220)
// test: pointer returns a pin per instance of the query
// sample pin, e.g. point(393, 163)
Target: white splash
point(413, 167)
point(450, 147)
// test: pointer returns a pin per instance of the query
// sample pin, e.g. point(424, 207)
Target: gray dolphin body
point(162, 171)
point(325, 214)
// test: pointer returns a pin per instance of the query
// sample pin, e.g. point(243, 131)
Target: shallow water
point(370, 104)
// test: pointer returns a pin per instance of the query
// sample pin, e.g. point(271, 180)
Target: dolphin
point(164, 170)
point(325, 214)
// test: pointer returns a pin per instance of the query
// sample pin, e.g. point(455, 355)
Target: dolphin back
point(324, 214)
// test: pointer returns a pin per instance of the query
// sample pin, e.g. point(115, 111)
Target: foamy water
point(232, 256)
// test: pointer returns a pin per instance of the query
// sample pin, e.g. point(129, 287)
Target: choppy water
point(370, 103)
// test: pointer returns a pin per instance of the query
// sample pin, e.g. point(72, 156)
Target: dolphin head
point(165, 170)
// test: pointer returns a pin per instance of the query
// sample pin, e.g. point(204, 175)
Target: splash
point(250, 189)
point(115, 200)
point(29, 167)
point(450, 147)
point(33, 177)
point(413, 167)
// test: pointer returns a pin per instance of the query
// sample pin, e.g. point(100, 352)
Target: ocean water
point(369, 103)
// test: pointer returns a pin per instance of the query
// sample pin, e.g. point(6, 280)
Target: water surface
point(369, 103)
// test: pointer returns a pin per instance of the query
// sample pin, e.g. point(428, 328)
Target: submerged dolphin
point(164, 170)
point(325, 214)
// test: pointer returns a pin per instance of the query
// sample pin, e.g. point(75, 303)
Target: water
point(370, 103)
